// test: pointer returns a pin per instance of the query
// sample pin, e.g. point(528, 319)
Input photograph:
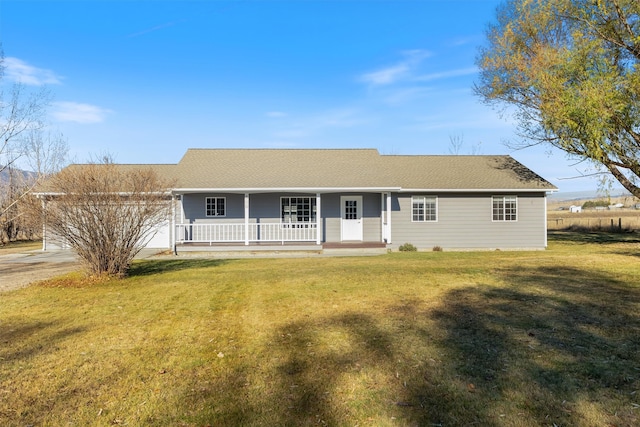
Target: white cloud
point(396, 72)
point(404, 95)
point(78, 112)
point(386, 75)
point(21, 72)
point(462, 41)
point(337, 118)
point(447, 74)
point(156, 28)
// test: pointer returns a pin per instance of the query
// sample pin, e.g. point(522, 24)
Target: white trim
point(475, 190)
point(318, 220)
point(243, 190)
point(546, 231)
point(246, 219)
point(383, 231)
point(286, 190)
point(389, 218)
point(172, 224)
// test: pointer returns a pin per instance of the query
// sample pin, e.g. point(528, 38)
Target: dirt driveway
point(19, 269)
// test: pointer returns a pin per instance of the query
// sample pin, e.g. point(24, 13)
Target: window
point(215, 206)
point(424, 208)
point(296, 210)
point(505, 208)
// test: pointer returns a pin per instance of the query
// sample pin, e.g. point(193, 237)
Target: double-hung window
point(505, 208)
point(215, 206)
point(424, 208)
point(300, 211)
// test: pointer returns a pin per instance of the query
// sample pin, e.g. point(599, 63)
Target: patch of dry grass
point(20, 246)
point(430, 338)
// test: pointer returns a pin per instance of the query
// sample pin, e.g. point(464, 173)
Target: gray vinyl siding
point(465, 222)
point(194, 208)
point(371, 217)
point(330, 211)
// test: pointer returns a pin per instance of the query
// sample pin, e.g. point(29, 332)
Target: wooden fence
point(604, 221)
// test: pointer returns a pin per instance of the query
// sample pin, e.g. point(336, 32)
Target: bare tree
point(20, 112)
point(456, 142)
point(106, 212)
point(22, 120)
point(42, 155)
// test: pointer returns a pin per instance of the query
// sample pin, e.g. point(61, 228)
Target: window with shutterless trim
point(298, 210)
point(215, 206)
point(505, 208)
point(424, 208)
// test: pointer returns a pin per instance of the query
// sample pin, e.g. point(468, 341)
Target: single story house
point(234, 199)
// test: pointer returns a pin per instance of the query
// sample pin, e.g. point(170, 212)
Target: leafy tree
point(105, 212)
point(569, 71)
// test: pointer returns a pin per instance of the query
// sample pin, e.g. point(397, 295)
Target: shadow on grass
point(555, 342)
point(23, 340)
point(150, 267)
point(590, 237)
point(554, 346)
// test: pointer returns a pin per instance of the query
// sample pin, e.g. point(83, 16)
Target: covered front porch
point(284, 219)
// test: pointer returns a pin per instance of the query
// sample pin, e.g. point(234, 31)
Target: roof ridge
point(281, 149)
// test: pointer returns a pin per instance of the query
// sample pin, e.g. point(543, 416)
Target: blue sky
point(145, 80)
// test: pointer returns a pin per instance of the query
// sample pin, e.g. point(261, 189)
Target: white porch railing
point(257, 232)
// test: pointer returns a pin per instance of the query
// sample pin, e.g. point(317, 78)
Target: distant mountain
point(4, 175)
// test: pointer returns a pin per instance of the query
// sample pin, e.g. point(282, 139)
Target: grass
point(20, 246)
point(430, 338)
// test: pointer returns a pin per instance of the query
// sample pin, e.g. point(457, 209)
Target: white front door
point(351, 217)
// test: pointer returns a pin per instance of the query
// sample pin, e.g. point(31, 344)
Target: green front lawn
point(433, 338)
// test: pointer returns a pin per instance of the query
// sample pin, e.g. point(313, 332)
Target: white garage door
point(161, 239)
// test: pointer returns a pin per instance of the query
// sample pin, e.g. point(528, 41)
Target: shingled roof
point(350, 168)
point(360, 169)
point(207, 168)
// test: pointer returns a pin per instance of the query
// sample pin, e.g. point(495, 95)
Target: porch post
point(172, 223)
point(383, 229)
point(389, 217)
point(318, 220)
point(246, 219)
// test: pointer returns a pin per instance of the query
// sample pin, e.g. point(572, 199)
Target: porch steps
point(354, 248)
point(291, 248)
